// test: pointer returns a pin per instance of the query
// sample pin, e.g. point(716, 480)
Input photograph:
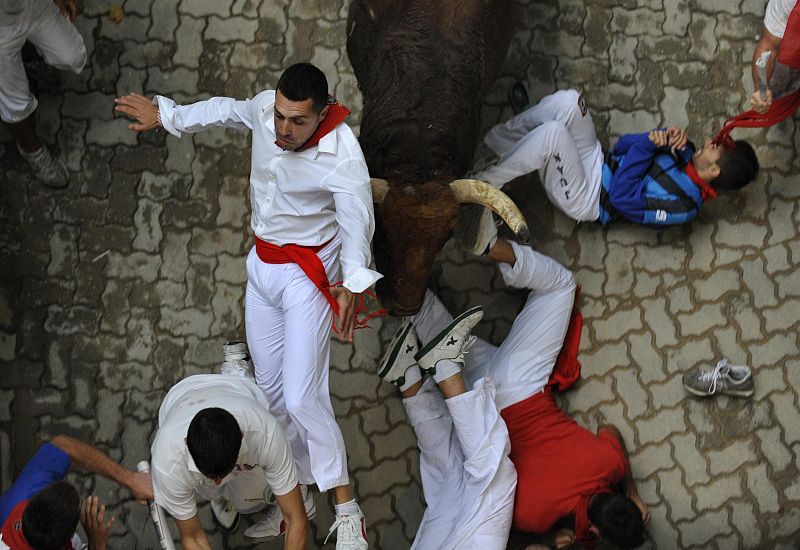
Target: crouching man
point(41, 511)
point(217, 441)
point(566, 476)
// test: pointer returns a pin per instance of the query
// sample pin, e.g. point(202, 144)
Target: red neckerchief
point(706, 191)
point(12, 530)
point(336, 114)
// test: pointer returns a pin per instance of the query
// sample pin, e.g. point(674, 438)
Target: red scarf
point(706, 191)
point(12, 530)
point(567, 369)
point(782, 108)
point(336, 114)
point(306, 258)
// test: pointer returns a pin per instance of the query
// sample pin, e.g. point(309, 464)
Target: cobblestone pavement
point(132, 277)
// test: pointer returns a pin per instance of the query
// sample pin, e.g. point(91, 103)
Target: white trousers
point(557, 138)
point(521, 366)
point(467, 477)
point(56, 39)
point(288, 324)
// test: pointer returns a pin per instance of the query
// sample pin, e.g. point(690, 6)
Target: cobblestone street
point(132, 277)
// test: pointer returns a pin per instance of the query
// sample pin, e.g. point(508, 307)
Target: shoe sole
point(391, 363)
point(733, 393)
point(226, 530)
point(441, 336)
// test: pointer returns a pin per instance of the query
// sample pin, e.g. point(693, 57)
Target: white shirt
point(264, 445)
point(296, 197)
point(777, 16)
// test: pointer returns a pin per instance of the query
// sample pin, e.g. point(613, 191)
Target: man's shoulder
point(265, 99)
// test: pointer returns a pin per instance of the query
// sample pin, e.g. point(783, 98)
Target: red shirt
point(560, 465)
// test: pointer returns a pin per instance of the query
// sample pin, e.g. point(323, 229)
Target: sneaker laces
point(722, 369)
point(468, 342)
point(349, 528)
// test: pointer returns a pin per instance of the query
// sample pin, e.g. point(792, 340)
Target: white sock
point(412, 376)
point(347, 508)
point(445, 369)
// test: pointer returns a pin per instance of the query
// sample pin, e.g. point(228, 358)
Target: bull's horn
point(379, 189)
point(484, 194)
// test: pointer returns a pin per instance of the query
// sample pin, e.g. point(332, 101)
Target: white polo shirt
point(264, 445)
point(296, 197)
point(777, 16)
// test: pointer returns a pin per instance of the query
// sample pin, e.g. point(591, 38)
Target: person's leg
point(523, 362)
point(17, 104)
point(57, 39)
point(247, 490)
point(264, 325)
point(550, 150)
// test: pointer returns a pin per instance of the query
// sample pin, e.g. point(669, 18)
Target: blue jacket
point(648, 185)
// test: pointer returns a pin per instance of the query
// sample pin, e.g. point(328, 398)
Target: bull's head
point(413, 227)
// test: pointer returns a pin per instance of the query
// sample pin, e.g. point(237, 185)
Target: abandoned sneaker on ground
point(351, 532)
point(47, 169)
point(273, 525)
point(724, 379)
point(476, 231)
point(225, 514)
point(449, 345)
point(398, 365)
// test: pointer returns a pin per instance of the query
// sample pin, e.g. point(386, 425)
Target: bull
point(424, 67)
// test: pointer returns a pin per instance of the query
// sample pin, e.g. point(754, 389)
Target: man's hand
point(68, 8)
point(141, 486)
point(637, 500)
point(564, 538)
point(94, 523)
point(344, 321)
point(759, 105)
point(140, 108)
point(658, 137)
point(676, 138)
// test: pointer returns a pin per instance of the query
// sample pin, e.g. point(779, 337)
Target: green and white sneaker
point(449, 344)
point(399, 356)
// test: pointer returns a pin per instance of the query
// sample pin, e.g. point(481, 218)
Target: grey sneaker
point(399, 356)
point(47, 169)
point(725, 379)
point(450, 343)
point(476, 228)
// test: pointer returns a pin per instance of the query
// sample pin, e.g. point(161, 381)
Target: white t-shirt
point(777, 15)
point(264, 445)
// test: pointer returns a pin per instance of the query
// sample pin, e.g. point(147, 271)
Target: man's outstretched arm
point(88, 458)
point(193, 537)
point(768, 43)
point(628, 483)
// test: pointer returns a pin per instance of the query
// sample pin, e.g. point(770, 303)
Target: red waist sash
point(306, 258)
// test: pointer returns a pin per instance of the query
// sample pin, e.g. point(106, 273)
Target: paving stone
point(604, 359)
point(594, 391)
point(759, 484)
point(745, 522)
point(718, 492)
point(630, 389)
point(712, 288)
point(675, 495)
point(188, 38)
point(653, 458)
point(702, 529)
point(664, 423)
point(691, 461)
point(730, 458)
point(697, 323)
point(659, 322)
point(618, 324)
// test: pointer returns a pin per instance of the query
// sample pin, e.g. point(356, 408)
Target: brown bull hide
point(413, 225)
point(423, 67)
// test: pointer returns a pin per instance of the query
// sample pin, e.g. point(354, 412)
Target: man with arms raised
point(313, 222)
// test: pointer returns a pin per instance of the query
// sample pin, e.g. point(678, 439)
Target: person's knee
point(555, 132)
point(568, 104)
point(299, 406)
point(72, 59)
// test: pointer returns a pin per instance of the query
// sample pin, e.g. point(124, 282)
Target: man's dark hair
point(302, 81)
point(51, 517)
point(618, 519)
point(213, 440)
point(737, 167)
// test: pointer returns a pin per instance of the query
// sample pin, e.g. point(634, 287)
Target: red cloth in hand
point(567, 369)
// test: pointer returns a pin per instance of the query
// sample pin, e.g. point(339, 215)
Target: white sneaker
point(237, 361)
point(351, 532)
point(273, 525)
point(399, 356)
point(225, 514)
point(450, 343)
point(48, 170)
point(235, 349)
